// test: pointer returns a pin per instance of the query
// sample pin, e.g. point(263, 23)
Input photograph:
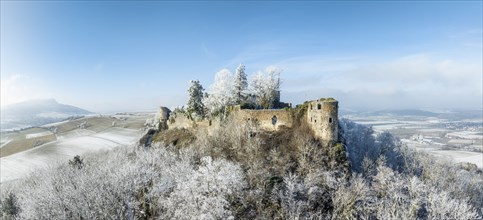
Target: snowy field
point(461, 156)
point(40, 134)
point(20, 164)
point(100, 134)
point(437, 136)
point(465, 134)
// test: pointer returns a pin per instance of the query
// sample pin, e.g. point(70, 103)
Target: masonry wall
point(266, 119)
point(322, 117)
point(163, 117)
point(181, 121)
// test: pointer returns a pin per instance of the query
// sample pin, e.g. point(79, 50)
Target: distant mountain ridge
point(391, 112)
point(36, 113)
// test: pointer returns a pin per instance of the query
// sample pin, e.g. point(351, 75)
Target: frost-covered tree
point(441, 205)
point(240, 85)
point(350, 201)
point(274, 83)
point(359, 141)
point(258, 88)
point(266, 87)
point(195, 102)
point(204, 194)
point(220, 93)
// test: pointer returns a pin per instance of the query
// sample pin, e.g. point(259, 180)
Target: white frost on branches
point(220, 93)
point(240, 85)
point(195, 102)
point(266, 87)
point(203, 195)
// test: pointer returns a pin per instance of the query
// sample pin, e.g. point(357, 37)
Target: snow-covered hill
point(67, 141)
point(37, 112)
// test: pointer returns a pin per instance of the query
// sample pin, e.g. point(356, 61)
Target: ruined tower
point(163, 118)
point(322, 117)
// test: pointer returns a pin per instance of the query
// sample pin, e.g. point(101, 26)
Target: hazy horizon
point(131, 56)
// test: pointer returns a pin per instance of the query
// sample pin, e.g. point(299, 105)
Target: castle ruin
point(321, 116)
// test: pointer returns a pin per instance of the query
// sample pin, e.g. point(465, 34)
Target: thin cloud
point(413, 81)
point(18, 87)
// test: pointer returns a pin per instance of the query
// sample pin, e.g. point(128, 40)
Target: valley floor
point(458, 139)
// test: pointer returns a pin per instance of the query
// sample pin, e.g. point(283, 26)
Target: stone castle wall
point(181, 121)
point(266, 119)
point(321, 116)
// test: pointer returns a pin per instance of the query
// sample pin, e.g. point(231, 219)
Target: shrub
point(248, 105)
point(77, 162)
point(9, 206)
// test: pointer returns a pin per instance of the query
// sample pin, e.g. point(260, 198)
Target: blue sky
point(125, 56)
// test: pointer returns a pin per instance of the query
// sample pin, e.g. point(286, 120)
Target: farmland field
point(25, 151)
point(458, 138)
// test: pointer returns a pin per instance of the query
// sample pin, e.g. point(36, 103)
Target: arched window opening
point(330, 120)
point(274, 120)
point(319, 106)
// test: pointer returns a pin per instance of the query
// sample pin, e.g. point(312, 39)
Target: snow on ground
point(5, 143)
point(119, 135)
point(433, 130)
point(460, 141)
point(39, 134)
point(466, 134)
point(75, 143)
point(75, 133)
point(462, 156)
point(457, 156)
point(374, 122)
point(132, 115)
point(384, 127)
point(53, 124)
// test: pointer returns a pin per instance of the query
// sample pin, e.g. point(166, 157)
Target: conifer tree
point(195, 102)
point(240, 85)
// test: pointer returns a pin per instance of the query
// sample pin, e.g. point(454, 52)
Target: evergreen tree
point(195, 102)
point(240, 85)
